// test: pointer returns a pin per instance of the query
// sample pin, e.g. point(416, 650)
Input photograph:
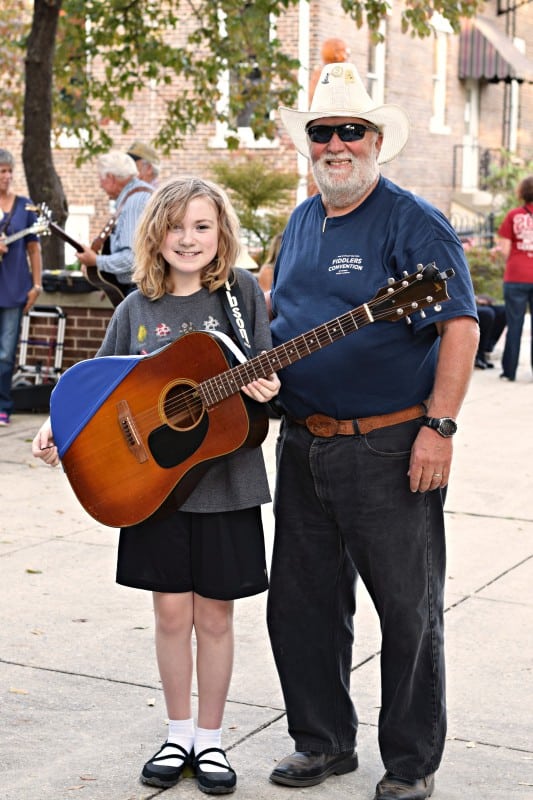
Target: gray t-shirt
point(141, 326)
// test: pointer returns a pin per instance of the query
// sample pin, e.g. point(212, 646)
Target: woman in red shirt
point(516, 234)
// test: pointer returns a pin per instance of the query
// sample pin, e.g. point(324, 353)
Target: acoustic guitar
point(40, 226)
point(105, 281)
point(130, 430)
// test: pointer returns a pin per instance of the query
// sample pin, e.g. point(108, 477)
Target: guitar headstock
point(400, 299)
point(44, 217)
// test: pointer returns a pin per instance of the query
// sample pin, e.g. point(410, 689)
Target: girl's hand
point(43, 445)
point(263, 389)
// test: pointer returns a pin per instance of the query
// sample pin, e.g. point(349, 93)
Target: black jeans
point(343, 507)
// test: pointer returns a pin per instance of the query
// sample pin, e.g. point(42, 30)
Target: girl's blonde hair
point(164, 211)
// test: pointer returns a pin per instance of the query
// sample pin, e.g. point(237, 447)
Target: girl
point(198, 559)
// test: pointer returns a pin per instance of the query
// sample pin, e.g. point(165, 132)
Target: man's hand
point(431, 458)
point(87, 258)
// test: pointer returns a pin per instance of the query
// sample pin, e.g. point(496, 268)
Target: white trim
point(304, 26)
point(437, 123)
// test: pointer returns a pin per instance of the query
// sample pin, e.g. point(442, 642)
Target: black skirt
point(219, 556)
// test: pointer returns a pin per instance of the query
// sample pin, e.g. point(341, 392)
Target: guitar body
point(149, 433)
point(131, 429)
point(108, 283)
point(105, 281)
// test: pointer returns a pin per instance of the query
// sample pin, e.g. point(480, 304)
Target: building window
point(442, 30)
point(376, 68)
point(238, 84)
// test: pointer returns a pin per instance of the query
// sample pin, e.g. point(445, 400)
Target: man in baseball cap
point(146, 159)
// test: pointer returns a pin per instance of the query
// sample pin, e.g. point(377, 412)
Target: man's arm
point(431, 454)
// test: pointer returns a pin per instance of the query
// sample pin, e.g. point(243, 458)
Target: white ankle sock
point(204, 738)
point(180, 731)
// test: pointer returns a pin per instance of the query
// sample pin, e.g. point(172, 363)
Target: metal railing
point(476, 230)
point(472, 165)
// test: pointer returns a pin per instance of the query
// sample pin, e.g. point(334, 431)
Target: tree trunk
point(43, 181)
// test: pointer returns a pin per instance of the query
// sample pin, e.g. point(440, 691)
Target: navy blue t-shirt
point(328, 266)
point(15, 276)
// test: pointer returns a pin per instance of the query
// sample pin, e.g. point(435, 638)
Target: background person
point(147, 161)
point(492, 321)
point(20, 276)
point(365, 448)
point(119, 180)
point(516, 242)
point(196, 560)
point(266, 270)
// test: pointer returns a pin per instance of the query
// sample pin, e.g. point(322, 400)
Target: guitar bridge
point(130, 433)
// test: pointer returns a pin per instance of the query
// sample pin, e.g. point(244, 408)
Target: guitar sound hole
point(182, 406)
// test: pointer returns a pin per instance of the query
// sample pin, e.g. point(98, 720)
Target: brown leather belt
point(321, 425)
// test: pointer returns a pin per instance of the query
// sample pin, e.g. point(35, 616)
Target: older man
point(147, 161)
point(111, 251)
point(365, 447)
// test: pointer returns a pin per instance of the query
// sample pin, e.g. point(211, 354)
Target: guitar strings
point(190, 403)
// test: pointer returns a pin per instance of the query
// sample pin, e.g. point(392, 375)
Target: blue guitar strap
point(233, 303)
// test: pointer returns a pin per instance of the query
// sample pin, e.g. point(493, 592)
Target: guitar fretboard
point(227, 383)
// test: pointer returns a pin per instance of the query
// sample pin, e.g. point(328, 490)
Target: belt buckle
point(321, 425)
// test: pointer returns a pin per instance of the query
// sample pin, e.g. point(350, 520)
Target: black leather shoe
point(392, 787)
point(479, 363)
point(309, 768)
point(158, 773)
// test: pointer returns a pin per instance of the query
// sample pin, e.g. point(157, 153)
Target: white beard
point(341, 191)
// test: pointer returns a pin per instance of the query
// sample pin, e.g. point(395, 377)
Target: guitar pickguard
point(171, 447)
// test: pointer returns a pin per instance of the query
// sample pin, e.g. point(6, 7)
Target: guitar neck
point(19, 235)
point(66, 238)
point(230, 382)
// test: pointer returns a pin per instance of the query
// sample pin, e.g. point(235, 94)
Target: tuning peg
point(414, 305)
point(422, 314)
point(419, 267)
point(437, 307)
point(405, 273)
point(409, 320)
point(390, 281)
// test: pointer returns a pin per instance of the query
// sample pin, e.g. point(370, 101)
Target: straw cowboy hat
point(340, 93)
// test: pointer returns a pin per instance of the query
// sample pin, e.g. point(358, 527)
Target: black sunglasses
point(349, 132)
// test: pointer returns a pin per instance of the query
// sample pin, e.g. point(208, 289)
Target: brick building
point(468, 95)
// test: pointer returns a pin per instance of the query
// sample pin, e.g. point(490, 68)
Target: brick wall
point(425, 167)
point(87, 316)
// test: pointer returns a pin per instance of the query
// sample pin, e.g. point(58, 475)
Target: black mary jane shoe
point(308, 768)
point(223, 782)
point(392, 787)
point(156, 773)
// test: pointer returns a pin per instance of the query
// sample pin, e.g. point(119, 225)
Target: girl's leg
point(213, 624)
point(173, 614)
point(173, 634)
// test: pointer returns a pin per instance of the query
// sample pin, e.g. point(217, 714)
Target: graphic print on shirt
point(211, 324)
point(162, 330)
point(142, 333)
point(346, 263)
point(523, 231)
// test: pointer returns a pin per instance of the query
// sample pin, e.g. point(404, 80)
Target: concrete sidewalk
point(82, 706)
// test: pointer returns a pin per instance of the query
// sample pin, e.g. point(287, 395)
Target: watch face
point(447, 427)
